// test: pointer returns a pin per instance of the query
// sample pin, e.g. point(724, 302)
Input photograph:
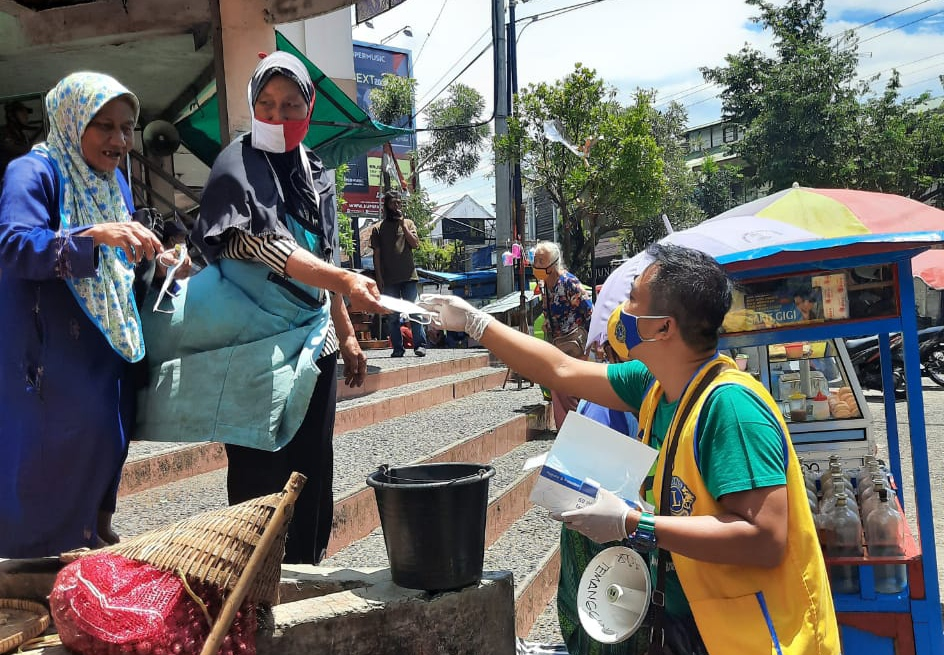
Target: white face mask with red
point(278, 137)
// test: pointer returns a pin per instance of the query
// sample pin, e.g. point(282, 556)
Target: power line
point(695, 89)
point(533, 18)
point(901, 27)
point(880, 19)
point(430, 33)
point(448, 70)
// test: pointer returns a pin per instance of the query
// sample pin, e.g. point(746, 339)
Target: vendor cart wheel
point(935, 365)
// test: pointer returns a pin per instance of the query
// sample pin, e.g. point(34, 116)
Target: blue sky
point(642, 44)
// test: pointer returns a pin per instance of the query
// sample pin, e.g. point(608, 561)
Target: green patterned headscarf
point(88, 197)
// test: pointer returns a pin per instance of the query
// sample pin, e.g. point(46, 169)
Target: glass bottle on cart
point(884, 535)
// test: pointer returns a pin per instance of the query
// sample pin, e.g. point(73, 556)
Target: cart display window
point(815, 389)
point(821, 297)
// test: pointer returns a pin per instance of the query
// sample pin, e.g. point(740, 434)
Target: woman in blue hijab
point(68, 248)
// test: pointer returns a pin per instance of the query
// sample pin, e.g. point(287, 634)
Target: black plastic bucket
point(433, 521)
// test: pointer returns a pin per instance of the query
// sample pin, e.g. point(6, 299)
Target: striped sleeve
point(331, 342)
point(271, 250)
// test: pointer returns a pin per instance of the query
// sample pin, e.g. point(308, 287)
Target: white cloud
point(637, 43)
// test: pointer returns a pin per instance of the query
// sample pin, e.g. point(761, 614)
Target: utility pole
point(517, 207)
point(503, 231)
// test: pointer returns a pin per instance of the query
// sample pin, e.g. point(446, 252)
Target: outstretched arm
point(535, 359)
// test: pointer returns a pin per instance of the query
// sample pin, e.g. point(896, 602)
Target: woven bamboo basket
point(215, 547)
point(20, 621)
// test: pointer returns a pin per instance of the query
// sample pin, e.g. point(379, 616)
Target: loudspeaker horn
point(613, 595)
point(161, 138)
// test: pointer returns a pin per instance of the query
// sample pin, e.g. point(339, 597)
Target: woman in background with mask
point(567, 311)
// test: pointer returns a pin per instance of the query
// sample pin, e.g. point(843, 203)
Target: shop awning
point(340, 130)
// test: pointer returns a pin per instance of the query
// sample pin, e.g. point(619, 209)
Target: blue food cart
point(794, 305)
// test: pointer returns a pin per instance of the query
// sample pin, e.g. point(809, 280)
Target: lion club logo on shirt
point(682, 497)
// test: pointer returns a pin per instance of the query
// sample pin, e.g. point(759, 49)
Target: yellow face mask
point(622, 329)
point(540, 272)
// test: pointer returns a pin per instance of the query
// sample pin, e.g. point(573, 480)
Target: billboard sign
point(362, 184)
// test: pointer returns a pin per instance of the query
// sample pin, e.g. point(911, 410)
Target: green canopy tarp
point(340, 130)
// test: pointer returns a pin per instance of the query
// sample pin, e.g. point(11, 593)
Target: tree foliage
point(714, 193)
point(456, 128)
point(901, 146)
point(439, 258)
point(418, 208)
point(393, 99)
point(668, 128)
point(458, 135)
point(620, 182)
point(799, 106)
point(345, 231)
point(809, 120)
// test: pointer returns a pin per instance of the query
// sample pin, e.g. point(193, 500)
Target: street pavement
point(933, 396)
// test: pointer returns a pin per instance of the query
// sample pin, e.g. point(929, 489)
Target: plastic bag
point(106, 604)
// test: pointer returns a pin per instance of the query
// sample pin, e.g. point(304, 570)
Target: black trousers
point(253, 473)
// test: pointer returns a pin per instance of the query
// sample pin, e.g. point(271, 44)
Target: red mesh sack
point(106, 604)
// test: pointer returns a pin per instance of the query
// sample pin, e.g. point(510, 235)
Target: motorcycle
point(867, 363)
point(931, 347)
point(866, 360)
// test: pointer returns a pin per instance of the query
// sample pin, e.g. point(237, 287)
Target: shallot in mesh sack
point(106, 604)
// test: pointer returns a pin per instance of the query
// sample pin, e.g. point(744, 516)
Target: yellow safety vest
point(785, 610)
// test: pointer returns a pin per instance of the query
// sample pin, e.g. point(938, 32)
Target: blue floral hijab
point(88, 197)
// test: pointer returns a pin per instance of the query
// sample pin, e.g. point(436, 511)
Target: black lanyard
point(657, 606)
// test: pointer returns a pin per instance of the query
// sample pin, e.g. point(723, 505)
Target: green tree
point(456, 129)
point(393, 99)
point(668, 129)
point(436, 258)
point(345, 231)
point(714, 193)
point(900, 147)
point(419, 208)
point(458, 135)
point(620, 181)
point(800, 107)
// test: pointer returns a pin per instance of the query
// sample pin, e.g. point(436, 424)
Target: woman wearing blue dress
point(70, 328)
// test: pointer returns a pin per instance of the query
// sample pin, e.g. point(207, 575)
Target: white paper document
point(587, 454)
point(401, 306)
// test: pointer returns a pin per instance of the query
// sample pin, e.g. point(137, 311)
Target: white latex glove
point(603, 521)
point(453, 313)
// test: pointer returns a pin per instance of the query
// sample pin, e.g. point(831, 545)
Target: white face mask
point(278, 137)
point(267, 136)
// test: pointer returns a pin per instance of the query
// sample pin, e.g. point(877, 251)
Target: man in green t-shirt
point(668, 329)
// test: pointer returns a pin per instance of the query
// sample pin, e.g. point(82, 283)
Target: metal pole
point(505, 281)
point(517, 205)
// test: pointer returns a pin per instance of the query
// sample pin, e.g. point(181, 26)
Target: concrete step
point(473, 428)
point(398, 389)
point(476, 428)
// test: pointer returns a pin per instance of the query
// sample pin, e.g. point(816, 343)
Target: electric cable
point(430, 33)
point(695, 89)
point(880, 19)
point(901, 27)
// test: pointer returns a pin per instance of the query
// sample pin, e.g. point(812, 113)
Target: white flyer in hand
point(587, 454)
point(401, 306)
